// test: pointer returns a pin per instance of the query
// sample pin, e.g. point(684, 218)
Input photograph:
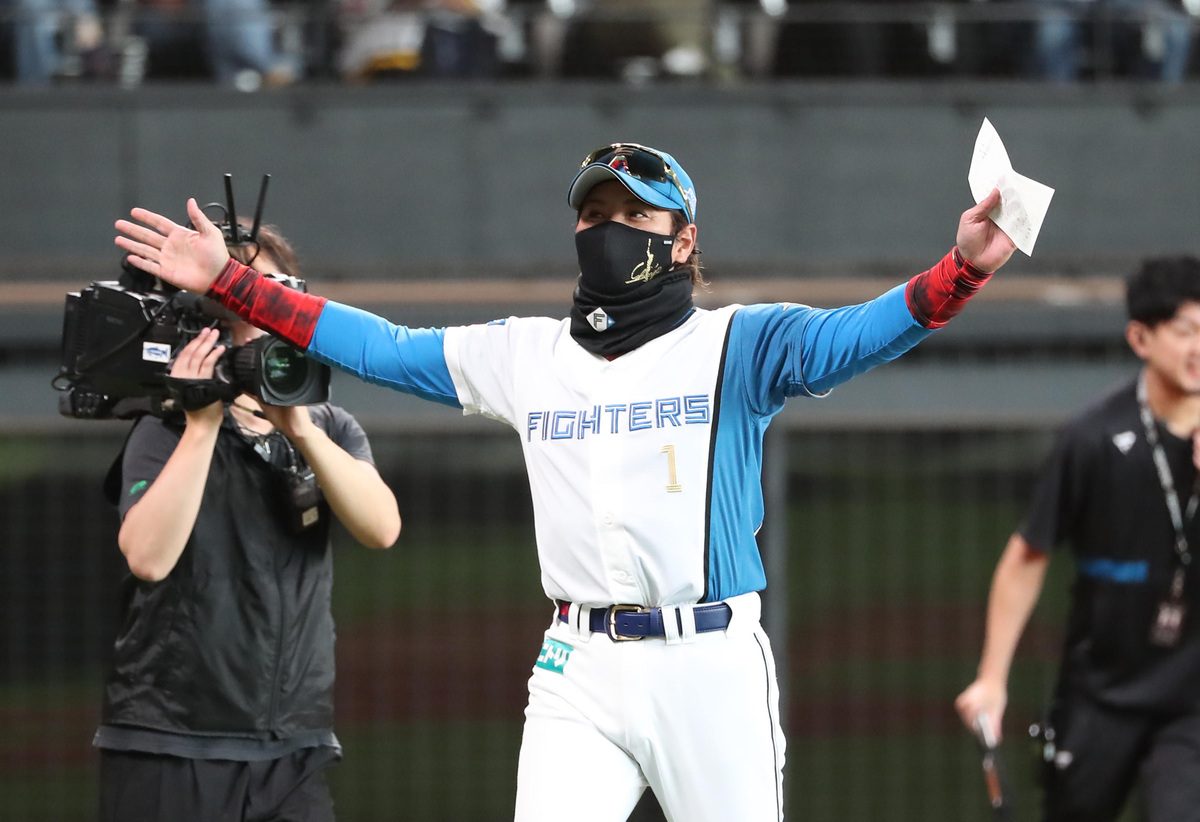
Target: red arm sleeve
point(936, 296)
point(288, 314)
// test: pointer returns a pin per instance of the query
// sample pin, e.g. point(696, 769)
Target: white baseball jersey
point(645, 469)
point(617, 451)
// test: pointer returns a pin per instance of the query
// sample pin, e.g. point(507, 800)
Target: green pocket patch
point(554, 655)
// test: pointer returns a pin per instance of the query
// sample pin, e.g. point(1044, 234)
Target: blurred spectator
point(418, 38)
point(233, 41)
point(1145, 39)
point(458, 41)
point(635, 39)
point(50, 34)
point(170, 39)
point(240, 35)
point(882, 38)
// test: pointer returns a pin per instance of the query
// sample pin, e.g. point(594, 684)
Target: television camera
point(121, 336)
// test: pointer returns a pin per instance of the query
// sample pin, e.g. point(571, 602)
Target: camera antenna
point(233, 221)
point(262, 196)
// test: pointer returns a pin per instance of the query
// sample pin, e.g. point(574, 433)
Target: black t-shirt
point(1099, 494)
point(152, 441)
point(205, 568)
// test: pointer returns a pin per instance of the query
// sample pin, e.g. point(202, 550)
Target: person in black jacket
point(219, 704)
point(1120, 490)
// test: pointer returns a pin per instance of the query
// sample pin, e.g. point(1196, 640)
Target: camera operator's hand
point(292, 420)
point(196, 361)
point(185, 258)
point(356, 494)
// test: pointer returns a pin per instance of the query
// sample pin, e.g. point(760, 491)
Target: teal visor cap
point(653, 176)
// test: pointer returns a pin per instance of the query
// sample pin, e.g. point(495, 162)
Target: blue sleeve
point(406, 359)
point(788, 350)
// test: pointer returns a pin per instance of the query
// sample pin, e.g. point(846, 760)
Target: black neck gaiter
point(628, 293)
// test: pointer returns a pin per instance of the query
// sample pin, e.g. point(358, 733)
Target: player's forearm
point(1016, 586)
point(842, 343)
point(156, 529)
point(288, 314)
point(356, 494)
point(366, 345)
point(937, 296)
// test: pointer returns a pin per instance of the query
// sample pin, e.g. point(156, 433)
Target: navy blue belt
point(626, 622)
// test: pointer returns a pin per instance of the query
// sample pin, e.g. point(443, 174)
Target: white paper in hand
point(1023, 202)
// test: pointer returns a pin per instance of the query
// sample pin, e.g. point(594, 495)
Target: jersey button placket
point(614, 550)
point(607, 458)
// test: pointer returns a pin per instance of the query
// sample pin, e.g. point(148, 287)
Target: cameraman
point(219, 702)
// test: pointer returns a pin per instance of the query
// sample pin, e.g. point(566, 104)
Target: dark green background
point(892, 537)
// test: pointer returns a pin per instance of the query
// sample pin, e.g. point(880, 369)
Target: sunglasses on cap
point(641, 163)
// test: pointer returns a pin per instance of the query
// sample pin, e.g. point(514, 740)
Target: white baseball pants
point(693, 716)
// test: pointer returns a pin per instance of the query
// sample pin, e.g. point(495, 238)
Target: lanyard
point(1179, 518)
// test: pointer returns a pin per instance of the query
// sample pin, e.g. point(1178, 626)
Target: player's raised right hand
point(983, 696)
point(189, 259)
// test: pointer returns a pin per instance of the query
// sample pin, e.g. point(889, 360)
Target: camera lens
point(285, 370)
point(278, 374)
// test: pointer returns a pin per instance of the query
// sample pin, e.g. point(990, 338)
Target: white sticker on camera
point(156, 352)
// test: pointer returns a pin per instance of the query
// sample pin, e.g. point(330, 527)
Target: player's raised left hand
point(187, 258)
point(980, 240)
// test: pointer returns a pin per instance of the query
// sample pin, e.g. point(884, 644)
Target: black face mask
point(628, 292)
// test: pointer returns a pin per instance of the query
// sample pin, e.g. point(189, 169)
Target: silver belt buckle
point(610, 624)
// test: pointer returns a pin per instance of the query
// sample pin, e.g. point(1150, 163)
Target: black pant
point(142, 787)
point(1103, 752)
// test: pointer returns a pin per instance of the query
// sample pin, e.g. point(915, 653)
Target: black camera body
point(121, 336)
point(119, 342)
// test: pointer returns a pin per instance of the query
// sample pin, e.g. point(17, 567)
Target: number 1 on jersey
point(673, 486)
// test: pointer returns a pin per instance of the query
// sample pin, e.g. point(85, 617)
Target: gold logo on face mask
point(646, 271)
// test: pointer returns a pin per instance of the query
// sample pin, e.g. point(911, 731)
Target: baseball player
point(642, 420)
